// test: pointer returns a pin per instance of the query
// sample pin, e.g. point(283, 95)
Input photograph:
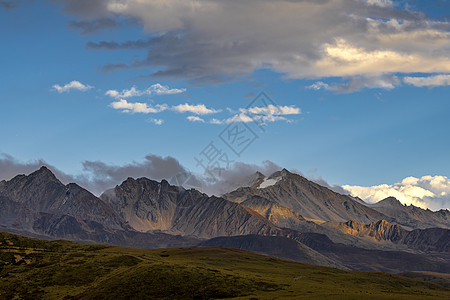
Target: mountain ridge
point(146, 213)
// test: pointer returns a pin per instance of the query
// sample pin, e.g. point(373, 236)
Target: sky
point(350, 93)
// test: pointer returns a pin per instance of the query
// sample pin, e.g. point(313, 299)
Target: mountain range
point(283, 215)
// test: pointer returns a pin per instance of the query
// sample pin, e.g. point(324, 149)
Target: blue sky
point(360, 88)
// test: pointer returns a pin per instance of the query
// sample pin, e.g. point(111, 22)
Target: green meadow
point(34, 269)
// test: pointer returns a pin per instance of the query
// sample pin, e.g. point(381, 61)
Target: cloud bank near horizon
point(98, 176)
point(431, 192)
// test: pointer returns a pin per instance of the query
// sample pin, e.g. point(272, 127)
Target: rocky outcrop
point(148, 205)
point(431, 239)
point(379, 231)
point(411, 216)
point(281, 216)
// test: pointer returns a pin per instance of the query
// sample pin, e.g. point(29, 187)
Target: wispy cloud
point(155, 89)
point(7, 5)
point(199, 109)
point(318, 86)
point(386, 82)
point(263, 114)
point(430, 81)
point(158, 122)
point(215, 121)
point(242, 118)
point(195, 119)
point(427, 192)
point(73, 85)
point(138, 107)
point(357, 83)
point(272, 110)
point(91, 27)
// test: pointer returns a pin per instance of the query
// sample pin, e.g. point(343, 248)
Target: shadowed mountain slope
point(39, 204)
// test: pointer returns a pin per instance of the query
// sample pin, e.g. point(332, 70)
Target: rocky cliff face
point(281, 216)
point(148, 205)
point(307, 198)
point(431, 239)
point(379, 231)
point(412, 216)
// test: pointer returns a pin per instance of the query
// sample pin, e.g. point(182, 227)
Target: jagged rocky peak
point(43, 174)
point(256, 179)
point(389, 201)
point(283, 173)
point(43, 171)
point(274, 178)
point(43, 178)
point(383, 225)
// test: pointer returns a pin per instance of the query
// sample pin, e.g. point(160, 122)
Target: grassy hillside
point(31, 268)
point(438, 278)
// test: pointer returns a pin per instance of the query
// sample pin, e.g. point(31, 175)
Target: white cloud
point(138, 107)
point(263, 114)
point(430, 81)
point(272, 110)
point(242, 118)
point(159, 89)
point(155, 89)
point(199, 109)
point(73, 85)
point(195, 119)
point(158, 122)
point(427, 192)
point(269, 113)
point(318, 86)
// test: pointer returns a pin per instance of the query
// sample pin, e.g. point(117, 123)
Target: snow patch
point(269, 182)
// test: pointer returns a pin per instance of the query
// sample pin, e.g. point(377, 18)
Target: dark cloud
point(336, 188)
point(91, 27)
point(127, 45)
point(98, 176)
point(237, 175)
point(10, 167)
point(7, 5)
point(214, 41)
